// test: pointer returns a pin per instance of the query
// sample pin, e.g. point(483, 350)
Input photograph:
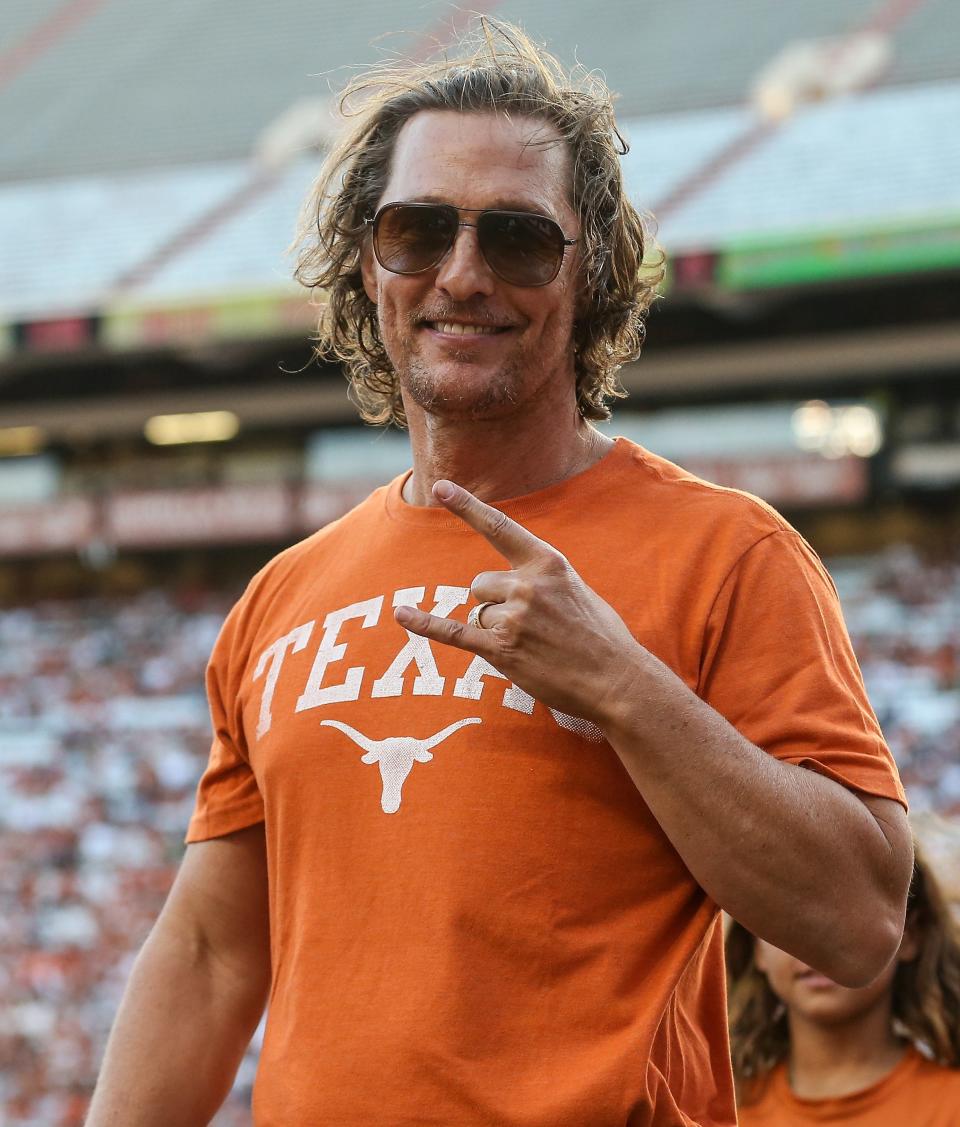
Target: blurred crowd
point(904, 617)
point(104, 732)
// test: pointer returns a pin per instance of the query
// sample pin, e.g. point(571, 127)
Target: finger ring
point(473, 618)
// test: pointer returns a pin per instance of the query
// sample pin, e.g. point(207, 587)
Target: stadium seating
point(203, 88)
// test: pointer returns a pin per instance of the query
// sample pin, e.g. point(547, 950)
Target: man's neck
point(830, 1061)
point(499, 458)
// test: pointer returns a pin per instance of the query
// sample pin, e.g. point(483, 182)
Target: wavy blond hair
point(926, 991)
point(495, 68)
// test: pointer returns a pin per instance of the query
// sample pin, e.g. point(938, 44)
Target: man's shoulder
point(692, 505)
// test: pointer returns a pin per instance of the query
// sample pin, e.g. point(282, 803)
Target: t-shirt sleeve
point(778, 664)
point(228, 798)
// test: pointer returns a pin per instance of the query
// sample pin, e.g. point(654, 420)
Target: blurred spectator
point(806, 1050)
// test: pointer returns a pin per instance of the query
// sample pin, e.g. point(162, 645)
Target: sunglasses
point(522, 248)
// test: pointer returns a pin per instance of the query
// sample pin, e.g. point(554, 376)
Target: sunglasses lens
point(410, 238)
point(525, 250)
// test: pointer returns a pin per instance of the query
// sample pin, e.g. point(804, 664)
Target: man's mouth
point(459, 328)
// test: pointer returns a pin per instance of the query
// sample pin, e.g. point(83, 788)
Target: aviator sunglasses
point(522, 248)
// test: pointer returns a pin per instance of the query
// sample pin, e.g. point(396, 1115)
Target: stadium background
point(163, 430)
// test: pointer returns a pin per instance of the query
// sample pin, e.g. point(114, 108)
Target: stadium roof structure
point(134, 210)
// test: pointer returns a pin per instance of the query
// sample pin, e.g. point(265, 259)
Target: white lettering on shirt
point(416, 652)
point(313, 696)
point(274, 654)
point(471, 686)
point(428, 682)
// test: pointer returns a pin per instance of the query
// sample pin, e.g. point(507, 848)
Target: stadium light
point(17, 442)
point(836, 431)
point(309, 125)
point(197, 426)
point(814, 70)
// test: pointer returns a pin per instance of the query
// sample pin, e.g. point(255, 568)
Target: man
point(490, 769)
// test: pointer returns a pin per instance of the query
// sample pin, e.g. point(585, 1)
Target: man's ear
point(368, 270)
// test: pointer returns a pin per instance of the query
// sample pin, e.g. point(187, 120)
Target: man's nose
point(464, 272)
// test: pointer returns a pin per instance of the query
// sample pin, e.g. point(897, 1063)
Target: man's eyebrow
point(500, 203)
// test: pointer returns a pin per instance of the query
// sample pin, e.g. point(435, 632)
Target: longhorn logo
point(396, 756)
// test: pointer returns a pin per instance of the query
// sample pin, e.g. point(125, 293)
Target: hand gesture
point(541, 625)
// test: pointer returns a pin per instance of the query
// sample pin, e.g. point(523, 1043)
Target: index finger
point(511, 539)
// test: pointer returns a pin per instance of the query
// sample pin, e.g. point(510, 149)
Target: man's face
point(525, 354)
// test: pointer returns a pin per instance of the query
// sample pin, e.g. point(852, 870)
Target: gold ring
point(473, 618)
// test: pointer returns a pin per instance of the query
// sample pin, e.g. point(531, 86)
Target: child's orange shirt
point(917, 1093)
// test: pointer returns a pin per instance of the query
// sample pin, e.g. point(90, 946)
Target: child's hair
point(926, 991)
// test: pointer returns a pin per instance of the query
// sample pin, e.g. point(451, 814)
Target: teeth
point(465, 330)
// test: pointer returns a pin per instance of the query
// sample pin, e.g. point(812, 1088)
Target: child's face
point(811, 995)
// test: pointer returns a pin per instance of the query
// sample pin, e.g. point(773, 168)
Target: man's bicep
point(219, 904)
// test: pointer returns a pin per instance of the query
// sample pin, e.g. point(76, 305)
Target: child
point(806, 1050)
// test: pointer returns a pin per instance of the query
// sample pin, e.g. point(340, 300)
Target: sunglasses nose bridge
point(465, 268)
point(455, 237)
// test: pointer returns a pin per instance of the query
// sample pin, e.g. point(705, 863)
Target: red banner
point(50, 527)
point(789, 481)
point(320, 504)
point(262, 513)
point(230, 513)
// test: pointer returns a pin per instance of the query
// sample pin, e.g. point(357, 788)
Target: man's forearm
point(792, 855)
point(183, 1025)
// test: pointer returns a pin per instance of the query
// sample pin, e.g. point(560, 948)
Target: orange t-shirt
point(475, 919)
point(917, 1093)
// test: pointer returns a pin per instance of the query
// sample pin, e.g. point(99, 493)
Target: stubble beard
point(474, 395)
point(498, 395)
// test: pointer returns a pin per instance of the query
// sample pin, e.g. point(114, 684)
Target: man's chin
point(463, 392)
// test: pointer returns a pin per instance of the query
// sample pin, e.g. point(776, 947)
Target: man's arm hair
point(196, 992)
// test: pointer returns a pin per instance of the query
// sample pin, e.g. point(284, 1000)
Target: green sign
point(760, 263)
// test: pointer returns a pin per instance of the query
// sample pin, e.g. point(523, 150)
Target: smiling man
point(493, 750)
point(464, 343)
